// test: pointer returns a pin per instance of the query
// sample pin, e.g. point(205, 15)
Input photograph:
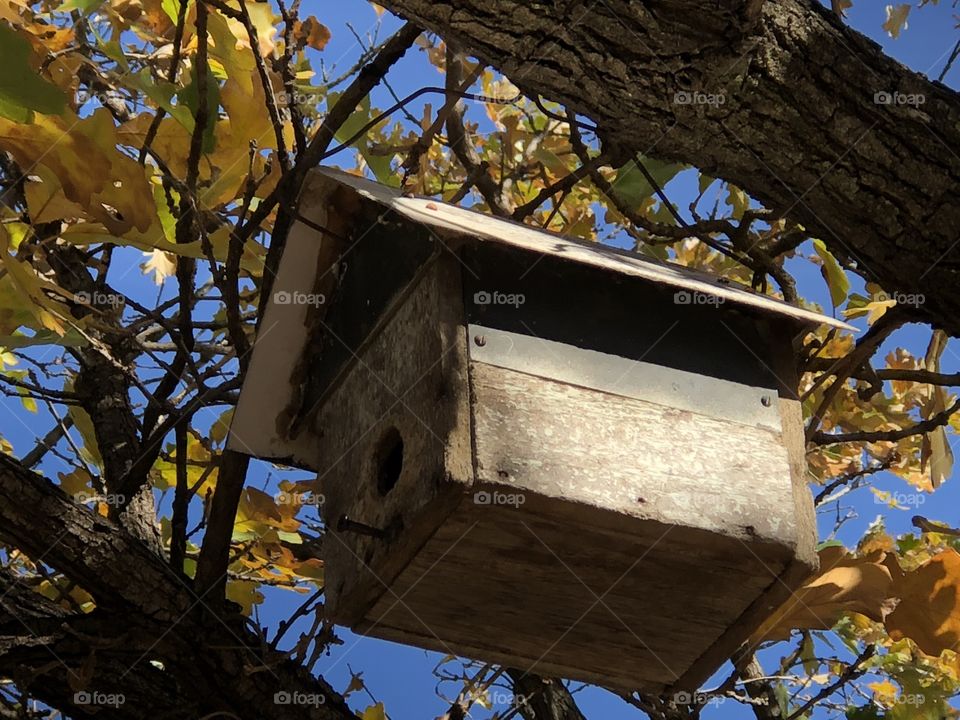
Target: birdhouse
point(532, 450)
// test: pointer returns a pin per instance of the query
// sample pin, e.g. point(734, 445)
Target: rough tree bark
point(798, 126)
point(212, 662)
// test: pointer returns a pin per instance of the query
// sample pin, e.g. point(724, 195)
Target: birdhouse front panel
point(532, 451)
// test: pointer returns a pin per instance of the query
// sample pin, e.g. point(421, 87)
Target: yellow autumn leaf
point(46, 199)
point(264, 20)
point(75, 482)
point(896, 19)
point(936, 454)
point(238, 63)
point(29, 290)
point(845, 584)
point(374, 712)
point(82, 154)
point(315, 33)
point(929, 608)
point(245, 594)
point(840, 7)
point(884, 692)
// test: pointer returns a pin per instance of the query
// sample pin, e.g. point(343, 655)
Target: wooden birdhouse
point(532, 450)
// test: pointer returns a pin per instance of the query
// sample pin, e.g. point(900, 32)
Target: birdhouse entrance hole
point(388, 461)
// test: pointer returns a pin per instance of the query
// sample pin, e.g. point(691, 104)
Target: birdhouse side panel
point(393, 438)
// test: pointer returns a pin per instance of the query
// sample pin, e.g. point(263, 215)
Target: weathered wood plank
point(410, 380)
point(528, 588)
point(638, 458)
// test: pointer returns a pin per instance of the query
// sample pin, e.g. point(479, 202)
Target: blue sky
point(401, 676)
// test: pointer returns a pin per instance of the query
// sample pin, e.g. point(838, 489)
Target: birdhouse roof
point(278, 366)
point(450, 219)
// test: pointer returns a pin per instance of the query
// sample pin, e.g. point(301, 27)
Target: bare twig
point(171, 77)
point(853, 671)
point(562, 186)
point(865, 348)
point(457, 136)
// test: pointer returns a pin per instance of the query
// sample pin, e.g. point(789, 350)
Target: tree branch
point(803, 126)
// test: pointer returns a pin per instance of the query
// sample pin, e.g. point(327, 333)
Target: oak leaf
point(845, 584)
point(929, 608)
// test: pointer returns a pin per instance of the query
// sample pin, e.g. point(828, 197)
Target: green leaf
point(84, 6)
point(190, 97)
point(22, 90)
point(71, 338)
point(162, 92)
point(378, 164)
point(353, 123)
point(631, 184)
point(382, 169)
point(705, 182)
point(829, 543)
point(808, 655)
point(114, 51)
point(836, 278)
point(866, 712)
point(172, 8)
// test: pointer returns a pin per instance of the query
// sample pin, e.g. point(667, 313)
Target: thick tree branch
point(218, 664)
point(887, 374)
point(543, 698)
point(808, 115)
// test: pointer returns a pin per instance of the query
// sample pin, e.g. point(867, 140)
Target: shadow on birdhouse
point(533, 451)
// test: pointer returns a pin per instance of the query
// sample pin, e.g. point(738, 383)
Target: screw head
point(480, 340)
point(766, 401)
